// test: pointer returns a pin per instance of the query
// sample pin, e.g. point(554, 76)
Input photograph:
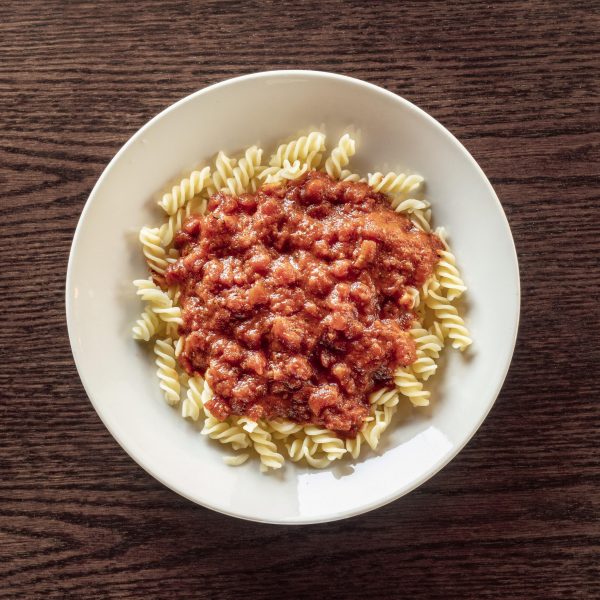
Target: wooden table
point(516, 514)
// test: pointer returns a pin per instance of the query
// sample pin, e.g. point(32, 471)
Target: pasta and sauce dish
point(294, 304)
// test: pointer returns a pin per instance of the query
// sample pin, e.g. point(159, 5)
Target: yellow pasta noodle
point(408, 385)
point(332, 446)
point(192, 406)
point(340, 156)
point(451, 322)
point(429, 346)
point(398, 185)
point(223, 171)
point(167, 371)
point(146, 326)
point(243, 172)
point(270, 458)
point(306, 149)
point(155, 254)
point(185, 191)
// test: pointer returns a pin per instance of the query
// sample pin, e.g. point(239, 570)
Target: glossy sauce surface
point(295, 301)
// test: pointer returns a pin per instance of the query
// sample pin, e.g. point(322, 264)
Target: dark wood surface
point(516, 515)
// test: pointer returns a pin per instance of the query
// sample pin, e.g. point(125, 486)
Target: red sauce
point(294, 299)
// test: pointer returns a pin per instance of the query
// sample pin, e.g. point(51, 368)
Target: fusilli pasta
point(429, 346)
point(185, 191)
point(397, 185)
point(146, 326)
point(153, 251)
point(243, 172)
point(223, 171)
point(263, 444)
point(161, 317)
point(167, 372)
point(451, 322)
point(192, 405)
point(408, 385)
point(306, 149)
point(340, 156)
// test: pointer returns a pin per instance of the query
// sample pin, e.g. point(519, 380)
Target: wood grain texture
point(516, 515)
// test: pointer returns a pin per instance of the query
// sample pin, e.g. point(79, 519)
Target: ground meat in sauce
point(294, 299)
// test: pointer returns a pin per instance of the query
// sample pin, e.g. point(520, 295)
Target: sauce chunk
point(295, 301)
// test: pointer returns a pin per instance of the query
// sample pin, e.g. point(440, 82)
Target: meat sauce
point(295, 301)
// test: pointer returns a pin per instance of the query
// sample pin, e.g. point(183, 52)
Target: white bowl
point(265, 108)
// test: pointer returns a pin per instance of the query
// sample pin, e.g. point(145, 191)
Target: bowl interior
point(119, 374)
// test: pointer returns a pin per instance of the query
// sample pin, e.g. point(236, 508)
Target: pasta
point(171, 227)
point(399, 186)
point(340, 156)
point(429, 346)
point(155, 254)
point(236, 460)
point(437, 318)
point(306, 448)
point(146, 326)
point(306, 149)
point(447, 272)
point(408, 385)
point(192, 405)
point(167, 373)
point(223, 171)
point(262, 443)
point(451, 322)
point(185, 191)
point(286, 171)
point(225, 432)
point(382, 417)
point(245, 170)
point(331, 445)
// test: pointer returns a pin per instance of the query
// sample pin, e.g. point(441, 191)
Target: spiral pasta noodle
point(243, 172)
point(447, 272)
point(147, 326)
point(452, 323)
point(270, 458)
point(411, 205)
point(171, 227)
point(429, 345)
point(170, 314)
point(384, 397)
point(185, 191)
point(300, 447)
point(306, 149)
point(354, 445)
point(288, 171)
point(236, 460)
point(282, 429)
point(449, 277)
point(331, 445)
point(340, 156)
point(305, 448)
point(398, 185)
point(162, 305)
point(223, 171)
point(151, 294)
point(347, 175)
point(408, 385)
point(422, 219)
point(192, 405)
point(374, 429)
point(167, 372)
point(153, 251)
point(226, 432)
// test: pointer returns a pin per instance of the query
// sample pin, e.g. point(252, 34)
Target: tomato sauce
point(295, 301)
